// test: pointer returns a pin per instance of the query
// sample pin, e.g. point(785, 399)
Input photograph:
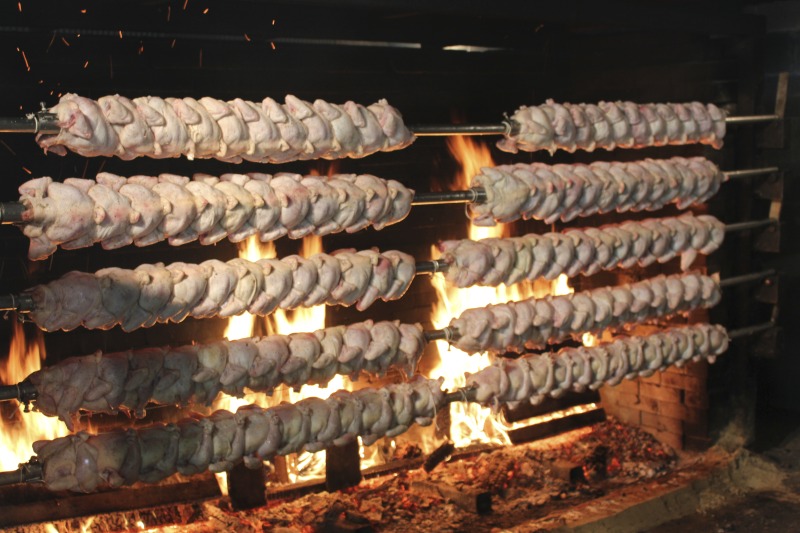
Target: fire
point(18, 431)
point(303, 465)
point(470, 423)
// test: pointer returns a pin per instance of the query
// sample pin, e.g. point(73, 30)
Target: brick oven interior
point(630, 457)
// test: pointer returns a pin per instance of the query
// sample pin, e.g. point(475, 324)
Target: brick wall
point(672, 405)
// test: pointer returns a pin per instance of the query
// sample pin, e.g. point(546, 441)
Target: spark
point(185, 3)
point(141, 47)
point(205, 11)
point(169, 12)
point(86, 64)
point(8, 148)
point(173, 43)
point(120, 34)
point(272, 44)
point(25, 58)
point(63, 40)
point(19, 6)
point(84, 11)
point(273, 22)
point(246, 37)
point(41, 82)
point(26, 170)
point(52, 40)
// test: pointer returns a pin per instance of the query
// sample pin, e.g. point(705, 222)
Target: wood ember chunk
point(568, 471)
point(474, 501)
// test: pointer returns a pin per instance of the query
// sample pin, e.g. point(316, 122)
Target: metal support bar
point(750, 224)
point(747, 278)
point(749, 173)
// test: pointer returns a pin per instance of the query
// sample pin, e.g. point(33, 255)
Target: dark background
point(719, 52)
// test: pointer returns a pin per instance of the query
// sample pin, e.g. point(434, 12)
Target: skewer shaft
point(750, 330)
point(32, 123)
point(441, 130)
point(748, 173)
point(46, 123)
point(750, 224)
point(476, 195)
point(751, 119)
point(747, 278)
point(16, 302)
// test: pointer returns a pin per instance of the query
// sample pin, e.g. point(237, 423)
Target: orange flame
point(18, 431)
point(470, 423)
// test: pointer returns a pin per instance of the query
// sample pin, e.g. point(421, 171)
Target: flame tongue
point(19, 431)
point(470, 423)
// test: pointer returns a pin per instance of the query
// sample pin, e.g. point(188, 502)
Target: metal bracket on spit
point(774, 134)
point(43, 120)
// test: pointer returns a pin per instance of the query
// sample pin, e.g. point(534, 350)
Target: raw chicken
point(534, 323)
point(610, 125)
point(510, 260)
point(266, 132)
point(531, 378)
point(85, 463)
point(565, 192)
point(155, 293)
point(117, 211)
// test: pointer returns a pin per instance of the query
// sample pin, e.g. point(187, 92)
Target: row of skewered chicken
point(84, 462)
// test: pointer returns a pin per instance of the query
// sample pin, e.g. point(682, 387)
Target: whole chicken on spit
point(84, 462)
point(580, 251)
point(564, 192)
point(144, 210)
point(157, 293)
point(264, 132)
point(536, 322)
point(195, 374)
point(609, 125)
point(534, 377)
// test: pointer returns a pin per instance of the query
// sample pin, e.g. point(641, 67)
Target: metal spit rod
point(13, 212)
point(44, 122)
